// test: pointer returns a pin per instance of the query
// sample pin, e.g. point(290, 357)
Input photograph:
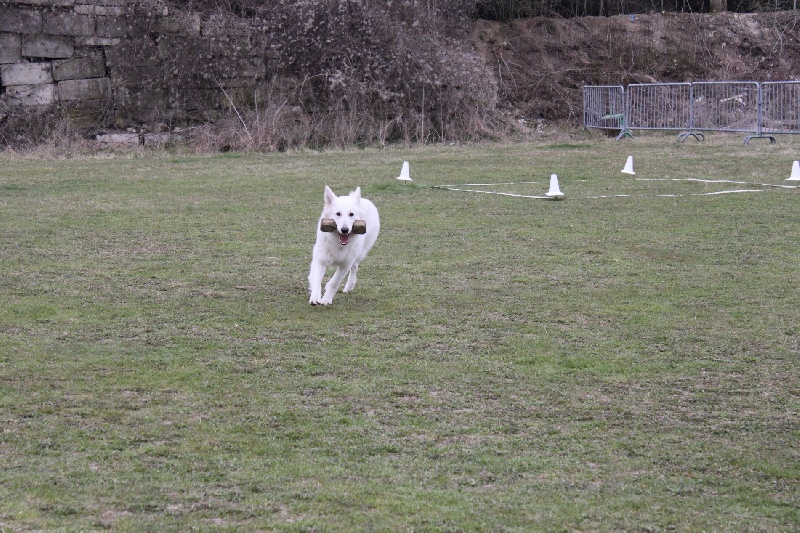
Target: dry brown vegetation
point(365, 72)
point(543, 63)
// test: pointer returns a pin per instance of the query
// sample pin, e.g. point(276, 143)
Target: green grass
point(625, 363)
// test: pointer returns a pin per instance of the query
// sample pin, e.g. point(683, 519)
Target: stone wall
point(124, 62)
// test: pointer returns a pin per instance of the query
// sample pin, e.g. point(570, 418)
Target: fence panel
point(604, 107)
point(758, 109)
point(725, 106)
point(659, 106)
point(780, 107)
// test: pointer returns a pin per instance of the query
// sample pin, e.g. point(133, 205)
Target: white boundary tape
point(487, 184)
point(722, 181)
point(458, 188)
point(452, 188)
point(671, 195)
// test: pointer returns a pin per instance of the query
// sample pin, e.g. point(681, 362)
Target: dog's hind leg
point(351, 279)
point(333, 285)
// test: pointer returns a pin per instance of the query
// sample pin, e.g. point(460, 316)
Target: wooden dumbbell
point(328, 225)
point(359, 227)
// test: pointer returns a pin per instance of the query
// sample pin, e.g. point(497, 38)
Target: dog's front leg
point(333, 285)
point(315, 276)
point(351, 279)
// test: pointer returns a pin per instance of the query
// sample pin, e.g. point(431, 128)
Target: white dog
point(341, 248)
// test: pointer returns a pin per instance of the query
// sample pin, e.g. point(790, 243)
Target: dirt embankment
point(542, 64)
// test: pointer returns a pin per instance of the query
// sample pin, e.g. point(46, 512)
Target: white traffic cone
point(795, 172)
point(404, 173)
point(554, 192)
point(629, 166)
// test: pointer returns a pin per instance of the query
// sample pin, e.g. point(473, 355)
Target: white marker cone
point(629, 166)
point(404, 174)
point(554, 192)
point(795, 172)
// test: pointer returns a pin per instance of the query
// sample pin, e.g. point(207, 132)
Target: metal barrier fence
point(758, 109)
point(780, 107)
point(660, 106)
point(604, 107)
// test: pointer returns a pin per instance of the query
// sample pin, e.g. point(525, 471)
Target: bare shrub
point(343, 72)
point(21, 128)
point(45, 131)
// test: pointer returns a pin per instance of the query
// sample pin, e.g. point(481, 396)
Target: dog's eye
point(339, 213)
point(352, 215)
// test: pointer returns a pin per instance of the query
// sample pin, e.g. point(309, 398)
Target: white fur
point(329, 250)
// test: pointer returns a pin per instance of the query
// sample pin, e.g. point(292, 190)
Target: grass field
point(505, 364)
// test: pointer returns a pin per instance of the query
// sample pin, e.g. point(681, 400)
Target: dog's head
point(344, 210)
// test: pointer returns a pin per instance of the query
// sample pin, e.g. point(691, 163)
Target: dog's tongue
point(343, 238)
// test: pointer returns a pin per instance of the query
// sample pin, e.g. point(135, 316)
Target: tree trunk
point(717, 6)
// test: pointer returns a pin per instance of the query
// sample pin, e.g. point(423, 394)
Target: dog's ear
point(356, 194)
point(329, 196)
